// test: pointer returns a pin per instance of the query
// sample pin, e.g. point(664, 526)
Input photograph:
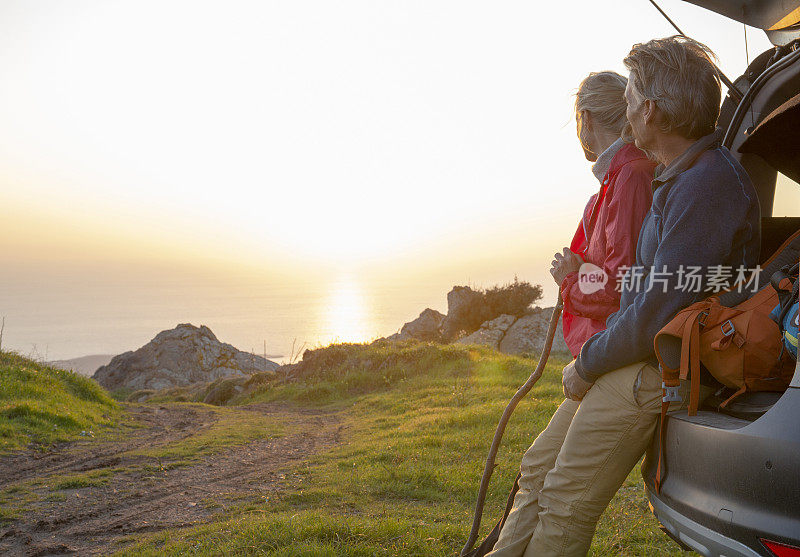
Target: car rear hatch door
point(780, 19)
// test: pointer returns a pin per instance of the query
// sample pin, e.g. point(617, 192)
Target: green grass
point(41, 404)
point(403, 481)
point(8, 513)
point(15, 500)
point(341, 373)
point(230, 428)
point(92, 478)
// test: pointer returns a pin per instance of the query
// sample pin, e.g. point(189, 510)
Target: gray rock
point(179, 357)
point(491, 333)
point(459, 301)
point(528, 333)
point(523, 335)
point(425, 327)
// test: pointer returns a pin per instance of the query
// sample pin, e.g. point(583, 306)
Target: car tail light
point(781, 549)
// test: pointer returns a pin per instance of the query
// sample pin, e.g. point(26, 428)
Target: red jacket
point(607, 236)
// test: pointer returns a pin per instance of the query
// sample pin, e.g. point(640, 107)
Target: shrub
point(511, 299)
point(479, 306)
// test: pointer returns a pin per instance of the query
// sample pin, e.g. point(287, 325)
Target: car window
point(787, 197)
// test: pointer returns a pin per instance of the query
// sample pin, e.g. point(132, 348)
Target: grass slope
point(420, 419)
point(41, 404)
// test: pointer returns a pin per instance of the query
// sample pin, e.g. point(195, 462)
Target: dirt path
point(145, 493)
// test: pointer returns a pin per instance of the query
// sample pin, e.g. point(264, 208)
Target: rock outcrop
point(179, 357)
point(523, 335)
point(491, 332)
point(459, 301)
point(426, 327)
point(511, 334)
point(528, 333)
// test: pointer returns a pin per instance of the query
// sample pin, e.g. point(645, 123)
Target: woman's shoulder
point(631, 170)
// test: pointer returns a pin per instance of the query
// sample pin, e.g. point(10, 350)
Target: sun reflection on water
point(346, 313)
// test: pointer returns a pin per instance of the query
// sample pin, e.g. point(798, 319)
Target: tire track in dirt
point(154, 426)
point(148, 495)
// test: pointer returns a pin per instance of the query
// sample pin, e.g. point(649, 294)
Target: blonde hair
point(679, 74)
point(603, 95)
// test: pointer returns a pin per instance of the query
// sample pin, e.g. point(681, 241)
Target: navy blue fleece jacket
point(705, 213)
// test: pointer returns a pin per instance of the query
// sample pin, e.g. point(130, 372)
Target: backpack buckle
point(702, 317)
point(670, 394)
point(727, 328)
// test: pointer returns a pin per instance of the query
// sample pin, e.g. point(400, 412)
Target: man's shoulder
point(715, 172)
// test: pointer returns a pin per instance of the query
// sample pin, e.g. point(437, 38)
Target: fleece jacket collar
point(686, 160)
point(601, 166)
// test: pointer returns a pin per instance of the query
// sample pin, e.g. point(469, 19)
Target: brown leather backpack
point(740, 346)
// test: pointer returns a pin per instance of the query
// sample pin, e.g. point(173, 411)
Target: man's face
point(635, 114)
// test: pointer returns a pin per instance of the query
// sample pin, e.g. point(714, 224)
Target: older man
point(705, 213)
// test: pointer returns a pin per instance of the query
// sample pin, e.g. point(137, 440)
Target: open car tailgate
point(780, 19)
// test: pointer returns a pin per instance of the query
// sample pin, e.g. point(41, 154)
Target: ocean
point(74, 320)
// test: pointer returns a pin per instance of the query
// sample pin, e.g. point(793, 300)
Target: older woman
point(606, 237)
point(609, 229)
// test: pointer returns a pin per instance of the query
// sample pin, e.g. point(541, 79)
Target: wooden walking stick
point(501, 427)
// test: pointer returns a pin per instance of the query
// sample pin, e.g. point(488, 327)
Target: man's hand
point(575, 387)
point(565, 263)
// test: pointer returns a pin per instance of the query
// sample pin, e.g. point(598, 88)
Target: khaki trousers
point(577, 464)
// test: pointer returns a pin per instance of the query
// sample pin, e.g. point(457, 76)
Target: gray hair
point(679, 74)
point(603, 95)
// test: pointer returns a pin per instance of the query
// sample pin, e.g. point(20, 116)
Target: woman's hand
point(565, 263)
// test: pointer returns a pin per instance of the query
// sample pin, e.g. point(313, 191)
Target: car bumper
point(703, 540)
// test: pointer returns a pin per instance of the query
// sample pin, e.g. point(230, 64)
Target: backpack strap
point(662, 426)
point(731, 336)
point(694, 369)
point(690, 348)
point(688, 331)
point(784, 280)
point(741, 391)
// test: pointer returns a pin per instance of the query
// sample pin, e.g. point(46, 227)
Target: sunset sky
point(284, 142)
